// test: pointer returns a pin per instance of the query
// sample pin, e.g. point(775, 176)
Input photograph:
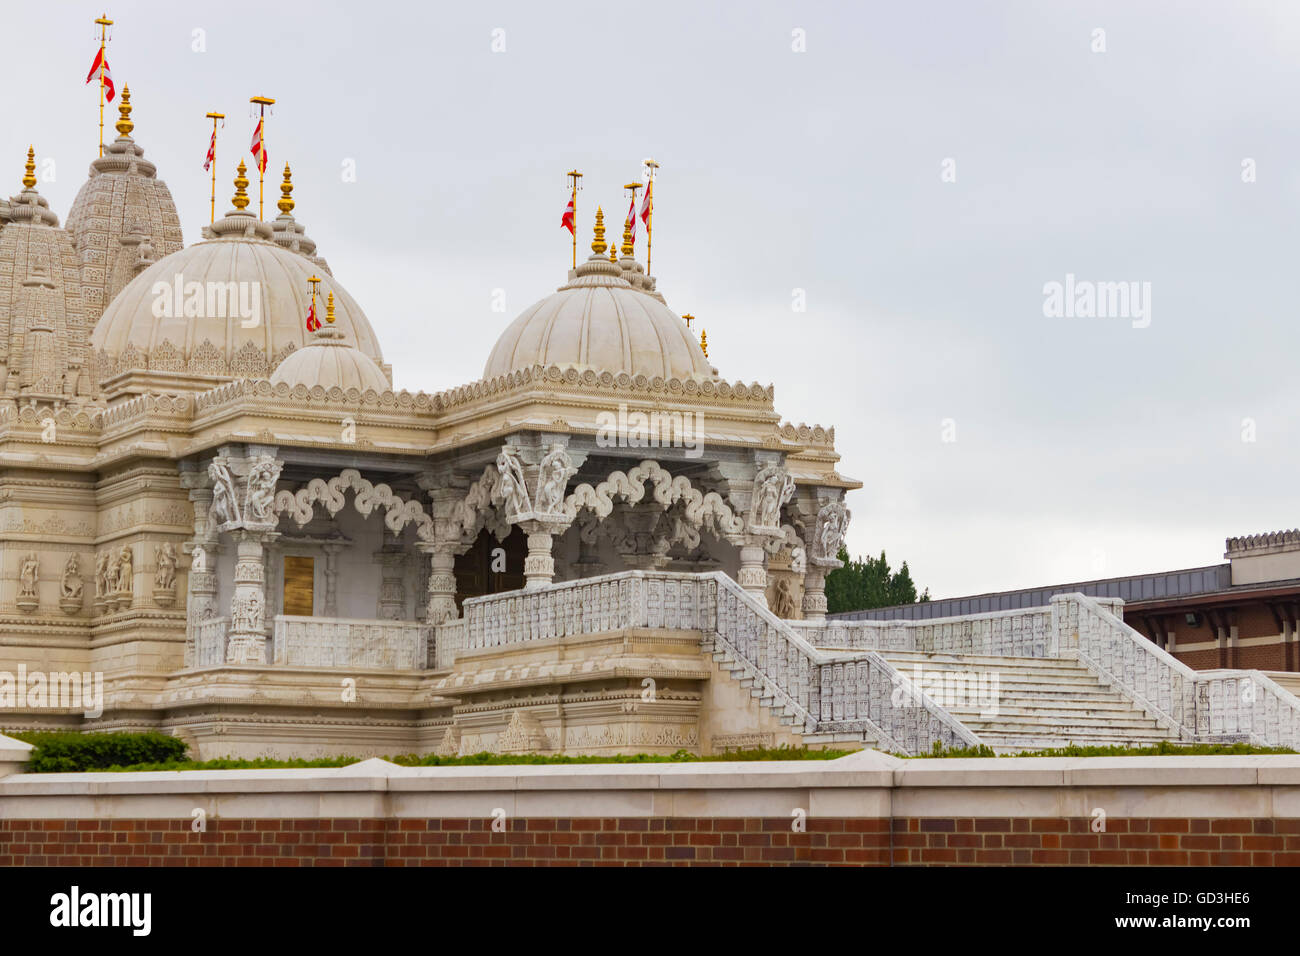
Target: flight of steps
point(741, 672)
point(1041, 703)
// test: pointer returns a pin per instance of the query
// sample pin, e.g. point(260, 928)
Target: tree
point(869, 582)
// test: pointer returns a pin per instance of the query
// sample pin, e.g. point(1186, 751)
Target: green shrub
point(483, 759)
point(72, 752)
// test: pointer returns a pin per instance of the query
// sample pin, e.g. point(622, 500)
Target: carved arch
point(332, 494)
point(702, 509)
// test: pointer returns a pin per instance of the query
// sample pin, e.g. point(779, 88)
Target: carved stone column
point(827, 533)
point(753, 570)
point(539, 565)
point(441, 599)
point(247, 642)
point(391, 605)
point(201, 602)
point(332, 579)
point(814, 594)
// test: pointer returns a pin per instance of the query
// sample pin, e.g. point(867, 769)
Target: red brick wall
point(635, 841)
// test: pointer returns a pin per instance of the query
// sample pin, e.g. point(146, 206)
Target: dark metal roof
point(1139, 587)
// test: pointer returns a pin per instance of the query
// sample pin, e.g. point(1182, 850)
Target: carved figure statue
point(225, 507)
point(552, 479)
point(71, 584)
point(164, 578)
point(262, 476)
point(28, 576)
point(513, 491)
point(124, 574)
point(103, 574)
point(783, 606)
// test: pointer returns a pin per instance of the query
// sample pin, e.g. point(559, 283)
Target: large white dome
point(238, 255)
point(601, 321)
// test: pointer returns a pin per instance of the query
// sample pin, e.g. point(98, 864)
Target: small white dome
point(331, 363)
point(600, 320)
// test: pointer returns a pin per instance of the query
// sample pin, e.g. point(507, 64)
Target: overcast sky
point(1084, 447)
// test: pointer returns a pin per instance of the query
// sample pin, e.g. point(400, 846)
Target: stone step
point(1059, 711)
point(976, 661)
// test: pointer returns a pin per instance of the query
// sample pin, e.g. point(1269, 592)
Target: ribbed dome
point(599, 320)
point(237, 255)
point(331, 363)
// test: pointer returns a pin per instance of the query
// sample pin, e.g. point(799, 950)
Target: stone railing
point(823, 691)
point(1025, 632)
point(342, 642)
point(1200, 705)
point(447, 641)
point(209, 647)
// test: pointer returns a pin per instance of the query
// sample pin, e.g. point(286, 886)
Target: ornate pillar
point(539, 565)
point(814, 594)
point(243, 506)
point(203, 548)
point(247, 641)
point(441, 599)
point(332, 579)
point(827, 534)
point(391, 605)
point(753, 569)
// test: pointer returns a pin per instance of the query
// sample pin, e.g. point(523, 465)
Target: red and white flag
point(313, 323)
point(567, 221)
point(212, 152)
point(101, 60)
point(647, 204)
point(257, 149)
point(630, 222)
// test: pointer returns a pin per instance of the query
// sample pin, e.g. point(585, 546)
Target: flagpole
point(574, 176)
point(262, 103)
point(214, 117)
point(650, 166)
point(104, 23)
point(631, 220)
point(313, 280)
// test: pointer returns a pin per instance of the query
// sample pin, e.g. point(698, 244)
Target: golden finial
point(598, 244)
point(29, 178)
point(241, 183)
point(627, 238)
point(124, 125)
point(329, 308)
point(688, 319)
point(704, 342)
point(285, 205)
point(613, 252)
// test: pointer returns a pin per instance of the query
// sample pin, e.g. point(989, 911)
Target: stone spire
point(121, 208)
point(289, 233)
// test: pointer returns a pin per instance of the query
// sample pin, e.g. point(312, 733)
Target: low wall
point(867, 808)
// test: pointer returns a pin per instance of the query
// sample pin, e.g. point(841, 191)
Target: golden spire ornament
point(285, 205)
point(241, 183)
point(29, 177)
point(688, 319)
point(613, 252)
point(627, 238)
point(598, 244)
point(704, 342)
point(329, 308)
point(124, 124)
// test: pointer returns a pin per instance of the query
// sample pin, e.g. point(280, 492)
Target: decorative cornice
point(1263, 543)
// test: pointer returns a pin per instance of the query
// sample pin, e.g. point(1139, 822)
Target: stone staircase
point(846, 734)
point(1040, 702)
